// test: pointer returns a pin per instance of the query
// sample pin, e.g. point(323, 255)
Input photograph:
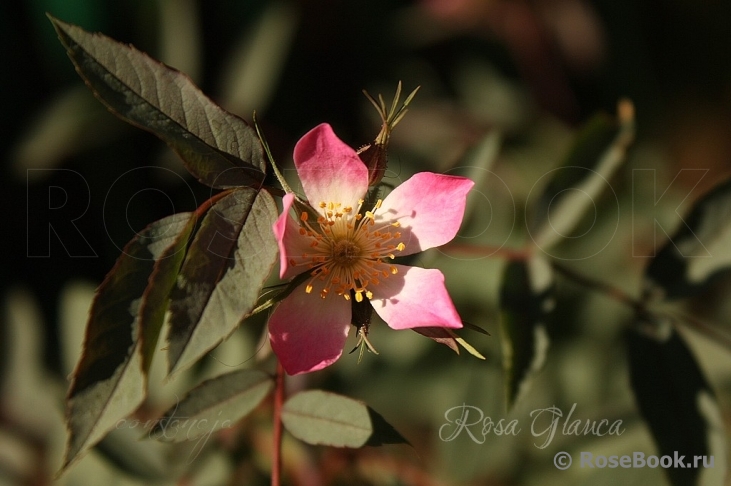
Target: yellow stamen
point(347, 252)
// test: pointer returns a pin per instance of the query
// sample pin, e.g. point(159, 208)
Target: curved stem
point(277, 435)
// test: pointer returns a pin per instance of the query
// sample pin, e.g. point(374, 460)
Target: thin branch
point(277, 434)
point(609, 290)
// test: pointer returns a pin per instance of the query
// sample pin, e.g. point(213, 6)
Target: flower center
point(345, 253)
point(347, 250)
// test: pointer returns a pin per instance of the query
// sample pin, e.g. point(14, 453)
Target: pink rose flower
point(346, 249)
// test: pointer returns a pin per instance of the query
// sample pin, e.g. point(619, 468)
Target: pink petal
point(414, 297)
point(307, 332)
point(329, 169)
point(291, 243)
point(429, 207)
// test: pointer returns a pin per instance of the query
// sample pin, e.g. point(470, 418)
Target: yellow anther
point(347, 296)
point(358, 296)
point(369, 214)
point(378, 203)
point(391, 256)
point(369, 294)
point(308, 289)
point(323, 204)
point(348, 209)
point(394, 270)
point(396, 224)
point(401, 246)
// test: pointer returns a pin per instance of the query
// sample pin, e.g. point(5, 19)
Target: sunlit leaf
point(109, 381)
point(218, 148)
point(214, 404)
point(597, 153)
point(526, 300)
point(677, 403)
point(322, 418)
point(698, 252)
point(224, 270)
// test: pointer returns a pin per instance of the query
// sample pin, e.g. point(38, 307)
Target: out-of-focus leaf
point(699, 251)
point(224, 270)
point(596, 155)
point(254, 68)
point(28, 393)
point(526, 299)
point(477, 164)
point(218, 148)
point(322, 418)
point(180, 39)
point(677, 403)
point(214, 404)
point(109, 381)
point(144, 460)
point(72, 122)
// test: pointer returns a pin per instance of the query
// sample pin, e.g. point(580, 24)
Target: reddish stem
point(277, 439)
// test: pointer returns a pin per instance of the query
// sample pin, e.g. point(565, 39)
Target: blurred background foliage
point(529, 73)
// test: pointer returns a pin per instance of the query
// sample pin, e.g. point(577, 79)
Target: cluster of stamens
point(347, 250)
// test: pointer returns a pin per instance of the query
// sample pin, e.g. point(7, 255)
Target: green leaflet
point(225, 268)
point(212, 405)
point(322, 418)
point(217, 147)
point(109, 381)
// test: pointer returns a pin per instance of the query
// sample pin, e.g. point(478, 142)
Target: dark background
point(570, 58)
